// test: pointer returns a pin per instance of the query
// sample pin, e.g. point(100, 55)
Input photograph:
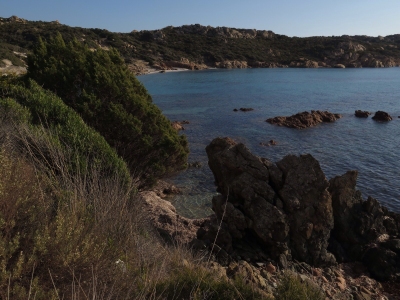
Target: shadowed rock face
point(364, 230)
point(304, 119)
point(290, 210)
point(286, 206)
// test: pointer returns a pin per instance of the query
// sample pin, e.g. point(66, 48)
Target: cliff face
point(198, 47)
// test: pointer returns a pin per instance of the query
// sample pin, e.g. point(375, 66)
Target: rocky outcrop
point(362, 113)
point(382, 116)
point(364, 230)
point(304, 119)
point(13, 19)
point(285, 207)
point(6, 67)
point(289, 210)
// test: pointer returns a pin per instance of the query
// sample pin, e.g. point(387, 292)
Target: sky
point(300, 18)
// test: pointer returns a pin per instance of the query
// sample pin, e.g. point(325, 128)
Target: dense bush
point(29, 104)
point(99, 86)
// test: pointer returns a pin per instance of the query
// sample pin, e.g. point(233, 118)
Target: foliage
point(32, 105)
point(99, 86)
point(291, 287)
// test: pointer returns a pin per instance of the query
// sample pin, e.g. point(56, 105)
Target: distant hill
point(199, 47)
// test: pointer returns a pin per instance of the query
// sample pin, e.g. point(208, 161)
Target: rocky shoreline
point(273, 218)
point(176, 66)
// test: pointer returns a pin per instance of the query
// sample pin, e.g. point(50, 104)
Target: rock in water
point(362, 113)
point(382, 116)
point(305, 119)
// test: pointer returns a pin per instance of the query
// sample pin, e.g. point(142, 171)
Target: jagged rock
point(289, 210)
point(291, 216)
point(382, 116)
point(364, 229)
point(304, 119)
point(308, 206)
point(362, 113)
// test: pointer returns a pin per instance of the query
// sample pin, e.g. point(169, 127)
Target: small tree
point(99, 86)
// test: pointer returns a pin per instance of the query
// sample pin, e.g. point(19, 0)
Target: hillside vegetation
point(197, 47)
point(98, 85)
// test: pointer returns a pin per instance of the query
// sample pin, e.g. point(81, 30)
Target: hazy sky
point(290, 17)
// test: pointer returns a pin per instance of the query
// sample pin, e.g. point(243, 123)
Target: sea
point(207, 100)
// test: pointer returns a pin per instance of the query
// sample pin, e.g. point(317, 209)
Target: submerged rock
point(305, 119)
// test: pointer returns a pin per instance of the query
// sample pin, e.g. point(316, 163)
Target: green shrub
point(82, 146)
point(99, 86)
point(291, 287)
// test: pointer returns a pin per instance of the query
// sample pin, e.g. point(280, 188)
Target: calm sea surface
point(207, 99)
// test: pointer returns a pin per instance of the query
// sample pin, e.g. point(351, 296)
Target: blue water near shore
point(207, 99)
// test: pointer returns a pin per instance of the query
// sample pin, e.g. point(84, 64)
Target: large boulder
point(286, 206)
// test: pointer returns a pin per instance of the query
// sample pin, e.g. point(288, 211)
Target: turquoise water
point(207, 99)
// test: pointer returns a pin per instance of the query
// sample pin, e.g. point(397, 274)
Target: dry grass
point(292, 287)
